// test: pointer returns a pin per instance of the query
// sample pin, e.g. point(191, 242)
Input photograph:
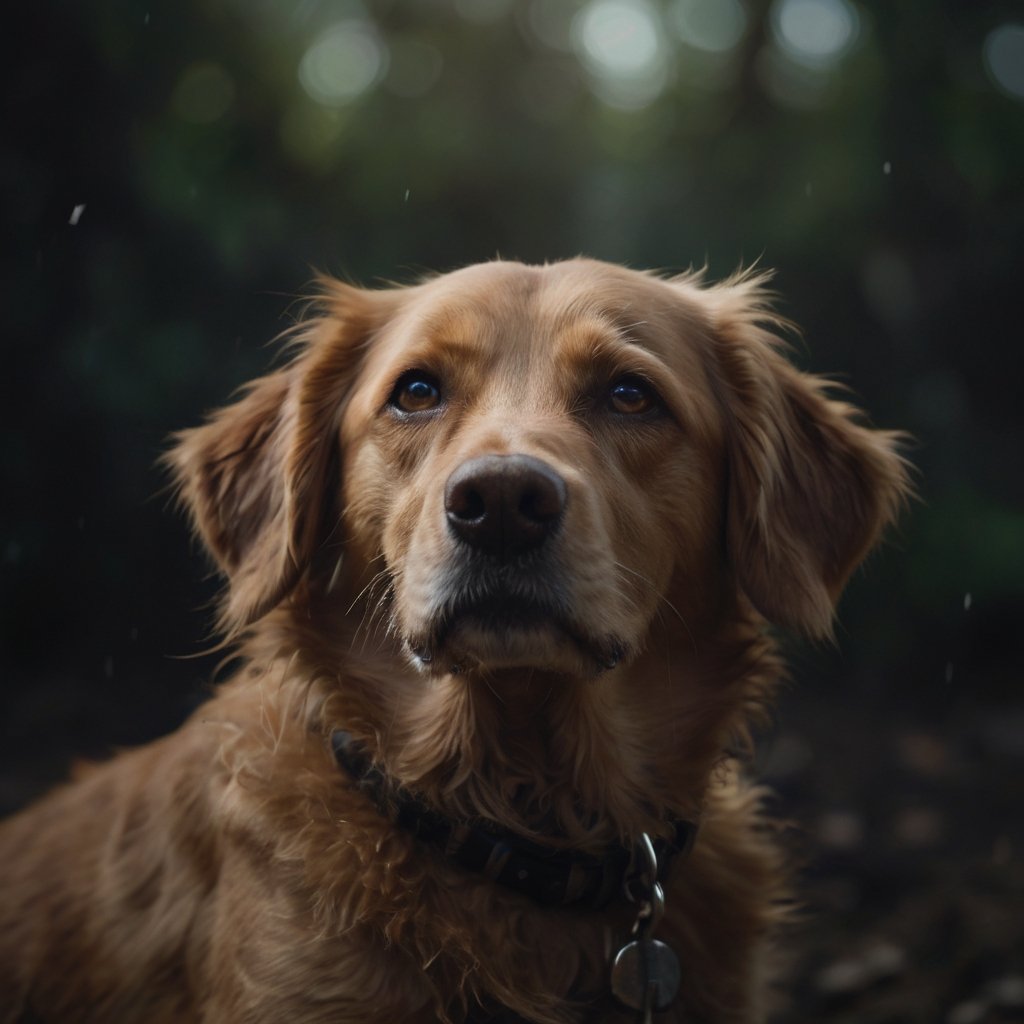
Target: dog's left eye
point(415, 391)
point(630, 396)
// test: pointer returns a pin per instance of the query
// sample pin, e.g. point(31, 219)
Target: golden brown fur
point(230, 872)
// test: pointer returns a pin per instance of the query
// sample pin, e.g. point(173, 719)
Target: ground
point(910, 827)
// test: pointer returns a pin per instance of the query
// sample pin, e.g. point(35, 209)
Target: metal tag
point(645, 975)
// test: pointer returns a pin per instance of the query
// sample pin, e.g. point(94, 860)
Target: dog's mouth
point(506, 629)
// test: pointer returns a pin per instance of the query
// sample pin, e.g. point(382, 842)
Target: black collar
point(548, 875)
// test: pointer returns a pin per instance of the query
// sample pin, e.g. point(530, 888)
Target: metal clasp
point(642, 887)
point(645, 974)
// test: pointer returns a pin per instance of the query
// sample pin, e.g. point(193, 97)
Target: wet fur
point(229, 873)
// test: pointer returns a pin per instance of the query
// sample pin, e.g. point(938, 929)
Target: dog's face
point(535, 456)
point(539, 467)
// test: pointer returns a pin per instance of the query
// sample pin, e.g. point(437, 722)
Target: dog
point(502, 550)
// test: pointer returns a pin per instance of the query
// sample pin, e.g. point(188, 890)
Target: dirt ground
point(910, 830)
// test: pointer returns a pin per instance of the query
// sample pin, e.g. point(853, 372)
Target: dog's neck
point(548, 874)
point(591, 760)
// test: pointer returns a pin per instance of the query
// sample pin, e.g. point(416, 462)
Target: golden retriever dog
point(502, 550)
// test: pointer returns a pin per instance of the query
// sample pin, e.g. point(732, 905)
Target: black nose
point(504, 505)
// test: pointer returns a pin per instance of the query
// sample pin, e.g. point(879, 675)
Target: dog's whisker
point(368, 588)
point(662, 599)
point(373, 604)
point(374, 615)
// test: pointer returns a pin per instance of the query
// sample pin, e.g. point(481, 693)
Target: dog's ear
point(257, 477)
point(811, 487)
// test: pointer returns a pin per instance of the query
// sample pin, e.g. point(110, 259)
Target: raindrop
point(76, 214)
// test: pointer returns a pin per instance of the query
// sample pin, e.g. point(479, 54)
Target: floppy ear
point(257, 477)
point(811, 487)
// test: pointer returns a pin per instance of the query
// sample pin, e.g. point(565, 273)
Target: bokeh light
point(621, 44)
point(815, 33)
point(1004, 58)
point(712, 25)
point(343, 62)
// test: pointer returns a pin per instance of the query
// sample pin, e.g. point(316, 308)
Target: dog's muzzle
point(507, 601)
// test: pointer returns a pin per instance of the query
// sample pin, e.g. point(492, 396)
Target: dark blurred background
point(173, 173)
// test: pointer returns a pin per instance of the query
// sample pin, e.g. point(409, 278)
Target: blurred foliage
point(172, 174)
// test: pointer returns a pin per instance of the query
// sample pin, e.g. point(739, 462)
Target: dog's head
point(537, 463)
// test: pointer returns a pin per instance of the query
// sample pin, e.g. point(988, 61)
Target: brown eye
point(415, 391)
point(631, 396)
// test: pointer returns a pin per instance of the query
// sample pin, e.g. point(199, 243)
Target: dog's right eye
point(631, 396)
point(415, 391)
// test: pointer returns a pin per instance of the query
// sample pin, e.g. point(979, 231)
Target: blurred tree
point(173, 173)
